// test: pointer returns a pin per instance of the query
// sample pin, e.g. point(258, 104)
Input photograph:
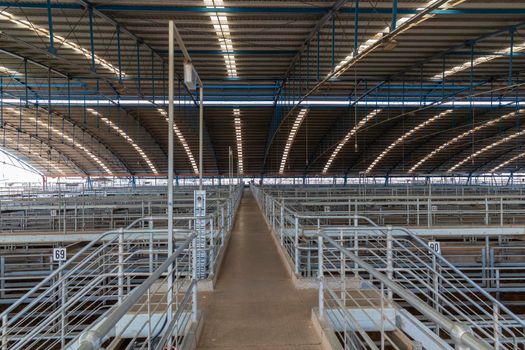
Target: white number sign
point(59, 254)
point(434, 246)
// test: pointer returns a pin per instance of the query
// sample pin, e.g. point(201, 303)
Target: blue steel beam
point(66, 75)
point(92, 39)
point(111, 20)
point(378, 139)
point(51, 48)
point(55, 71)
point(82, 129)
point(164, 53)
point(269, 10)
point(337, 128)
point(483, 37)
point(424, 141)
point(277, 115)
point(394, 15)
point(415, 19)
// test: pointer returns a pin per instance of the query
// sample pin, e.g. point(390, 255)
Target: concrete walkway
point(255, 305)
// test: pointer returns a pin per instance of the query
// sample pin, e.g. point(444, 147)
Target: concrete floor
point(255, 305)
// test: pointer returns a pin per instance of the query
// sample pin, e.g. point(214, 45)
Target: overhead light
point(386, 30)
point(126, 137)
point(238, 137)
point(461, 136)
point(486, 148)
point(348, 136)
point(74, 142)
point(9, 71)
point(182, 140)
point(289, 142)
point(19, 147)
point(507, 162)
point(222, 30)
point(404, 137)
point(61, 40)
point(477, 61)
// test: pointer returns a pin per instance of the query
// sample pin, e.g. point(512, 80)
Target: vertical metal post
point(119, 55)
point(389, 258)
point(501, 211)
point(333, 42)
point(394, 16)
point(62, 308)
point(319, 55)
point(194, 306)
point(356, 245)
point(27, 97)
point(273, 215)
point(296, 245)
point(429, 211)
point(320, 275)
point(120, 265)
point(230, 168)
point(511, 54)
point(486, 211)
point(152, 77)
point(2, 276)
point(171, 90)
point(417, 211)
point(495, 313)
point(281, 230)
point(91, 39)
point(201, 128)
point(212, 249)
point(139, 83)
point(356, 28)
point(4, 332)
point(382, 323)
point(435, 286)
point(223, 228)
point(51, 48)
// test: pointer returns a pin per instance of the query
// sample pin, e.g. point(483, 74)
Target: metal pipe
point(456, 330)
point(171, 91)
point(94, 337)
point(201, 129)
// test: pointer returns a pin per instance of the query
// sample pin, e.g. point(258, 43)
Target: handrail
point(87, 247)
point(445, 262)
point(55, 296)
point(93, 338)
point(65, 265)
point(438, 256)
point(290, 219)
point(456, 330)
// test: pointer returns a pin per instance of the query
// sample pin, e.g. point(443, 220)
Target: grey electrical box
point(190, 76)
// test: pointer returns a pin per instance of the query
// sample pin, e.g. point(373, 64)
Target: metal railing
point(406, 260)
point(102, 273)
point(495, 267)
point(83, 288)
point(419, 206)
point(94, 210)
point(375, 304)
point(157, 314)
point(21, 269)
point(403, 257)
